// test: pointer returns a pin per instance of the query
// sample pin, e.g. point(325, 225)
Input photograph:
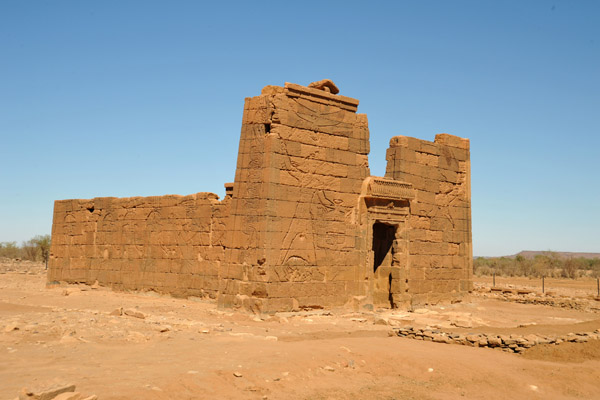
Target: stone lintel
point(385, 188)
point(321, 96)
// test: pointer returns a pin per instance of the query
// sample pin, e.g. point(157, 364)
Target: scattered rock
point(513, 343)
point(134, 313)
point(527, 297)
point(473, 338)
point(533, 339)
point(328, 368)
point(507, 340)
point(11, 327)
point(462, 323)
point(67, 339)
point(70, 291)
point(438, 338)
point(118, 312)
point(45, 394)
point(221, 329)
point(237, 374)
point(136, 337)
point(357, 319)
point(68, 336)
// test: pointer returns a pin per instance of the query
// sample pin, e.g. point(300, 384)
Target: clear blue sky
point(128, 98)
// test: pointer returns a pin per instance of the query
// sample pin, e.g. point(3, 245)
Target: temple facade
point(302, 226)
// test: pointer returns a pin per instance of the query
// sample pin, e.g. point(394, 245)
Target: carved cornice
point(321, 96)
point(384, 188)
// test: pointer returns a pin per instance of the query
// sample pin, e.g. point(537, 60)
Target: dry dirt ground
point(189, 349)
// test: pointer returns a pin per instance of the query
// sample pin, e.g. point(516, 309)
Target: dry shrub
point(549, 264)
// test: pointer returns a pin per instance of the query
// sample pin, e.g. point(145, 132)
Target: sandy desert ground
point(146, 346)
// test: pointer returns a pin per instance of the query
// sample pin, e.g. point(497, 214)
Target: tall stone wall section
point(169, 244)
point(301, 163)
point(440, 242)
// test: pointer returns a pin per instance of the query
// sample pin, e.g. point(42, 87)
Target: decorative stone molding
point(383, 188)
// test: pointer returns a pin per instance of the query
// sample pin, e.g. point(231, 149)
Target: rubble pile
point(510, 343)
point(524, 296)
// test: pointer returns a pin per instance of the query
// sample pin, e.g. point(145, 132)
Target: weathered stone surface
point(441, 219)
point(302, 226)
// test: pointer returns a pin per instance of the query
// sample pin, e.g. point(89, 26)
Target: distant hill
point(561, 254)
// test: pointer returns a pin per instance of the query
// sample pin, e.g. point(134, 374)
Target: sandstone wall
point(301, 163)
point(302, 226)
point(440, 243)
point(170, 244)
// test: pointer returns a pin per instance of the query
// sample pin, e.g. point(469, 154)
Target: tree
point(43, 243)
point(9, 250)
point(30, 250)
point(570, 268)
point(37, 248)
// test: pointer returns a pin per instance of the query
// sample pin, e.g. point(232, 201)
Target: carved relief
point(305, 113)
point(296, 231)
point(318, 222)
point(253, 186)
point(328, 221)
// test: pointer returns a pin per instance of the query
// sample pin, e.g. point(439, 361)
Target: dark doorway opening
point(383, 239)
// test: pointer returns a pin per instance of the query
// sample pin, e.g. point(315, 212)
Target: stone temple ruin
point(304, 225)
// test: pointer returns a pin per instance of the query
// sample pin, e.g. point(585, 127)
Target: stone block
point(452, 141)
